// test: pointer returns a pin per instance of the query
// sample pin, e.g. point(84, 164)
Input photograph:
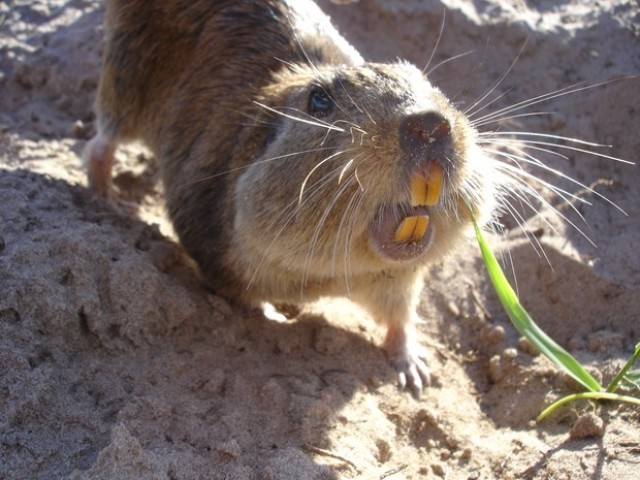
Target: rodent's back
point(154, 48)
point(184, 78)
point(149, 46)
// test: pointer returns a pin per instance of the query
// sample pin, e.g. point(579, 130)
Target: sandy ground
point(117, 363)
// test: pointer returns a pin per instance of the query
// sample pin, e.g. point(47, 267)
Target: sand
point(116, 362)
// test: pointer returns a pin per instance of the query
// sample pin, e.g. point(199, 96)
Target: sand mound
point(116, 362)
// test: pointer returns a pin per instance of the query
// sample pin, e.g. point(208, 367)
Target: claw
point(415, 377)
point(402, 380)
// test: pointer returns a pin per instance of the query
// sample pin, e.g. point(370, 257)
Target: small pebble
point(525, 346)
point(605, 341)
point(466, 455)
point(229, 450)
point(495, 369)
point(376, 382)
point(510, 353)
point(78, 129)
point(445, 454)
point(496, 335)
point(453, 309)
point(438, 469)
point(384, 452)
point(587, 426)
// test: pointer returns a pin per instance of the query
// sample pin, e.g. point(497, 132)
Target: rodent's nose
point(425, 134)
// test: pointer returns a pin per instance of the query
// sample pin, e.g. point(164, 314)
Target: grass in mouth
point(549, 348)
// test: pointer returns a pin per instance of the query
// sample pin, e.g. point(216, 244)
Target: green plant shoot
point(525, 324)
point(554, 352)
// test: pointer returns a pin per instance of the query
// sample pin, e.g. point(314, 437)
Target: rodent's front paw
point(408, 358)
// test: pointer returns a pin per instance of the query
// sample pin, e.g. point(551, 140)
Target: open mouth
point(402, 231)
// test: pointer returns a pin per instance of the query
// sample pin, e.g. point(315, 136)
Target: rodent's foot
point(98, 156)
point(408, 358)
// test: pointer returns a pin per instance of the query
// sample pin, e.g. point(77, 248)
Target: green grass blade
point(633, 377)
point(584, 396)
point(622, 373)
point(525, 324)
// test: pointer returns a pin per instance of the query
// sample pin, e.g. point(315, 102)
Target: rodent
point(293, 168)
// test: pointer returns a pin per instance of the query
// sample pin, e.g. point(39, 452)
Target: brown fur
point(189, 79)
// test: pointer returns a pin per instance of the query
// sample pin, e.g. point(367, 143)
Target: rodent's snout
point(402, 231)
point(431, 154)
point(425, 135)
point(427, 144)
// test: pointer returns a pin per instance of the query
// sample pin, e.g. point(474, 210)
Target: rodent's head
point(361, 168)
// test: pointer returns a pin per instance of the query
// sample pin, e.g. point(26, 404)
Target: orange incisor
point(425, 192)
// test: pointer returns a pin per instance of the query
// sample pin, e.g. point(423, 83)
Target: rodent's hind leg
point(98, 156)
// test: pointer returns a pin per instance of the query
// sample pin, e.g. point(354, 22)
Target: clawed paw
point(413, 373)
point(408, 358)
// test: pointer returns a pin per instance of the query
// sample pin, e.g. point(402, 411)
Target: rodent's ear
point(320, 102)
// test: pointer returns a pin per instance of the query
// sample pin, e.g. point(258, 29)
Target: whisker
point(469, 111)
point(435, 47)
point(447, 60)
point(313, 119)
point(290, 210)
point(523, 103)
point(258, 123)
point(487, 105)
point(521, 191)
point(285, 62)
point(512, 117)
point(352, 127)
point(344, 169)
point(232, 170)
point(531, 238)
point(522, 222)
point(509, 258)
point(316, 123)
point(355, 173)
point(323, 218)
point(519, 172)
point(349, 216)
point(549, 186)
point(294, 33)
point(568, 90)
point(340, 106)
point(371, 119)
point(346, 91)
point(318, 165)
point(559, 145)
point(539, 146)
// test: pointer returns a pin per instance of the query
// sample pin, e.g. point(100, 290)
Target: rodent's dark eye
point(320, 103)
